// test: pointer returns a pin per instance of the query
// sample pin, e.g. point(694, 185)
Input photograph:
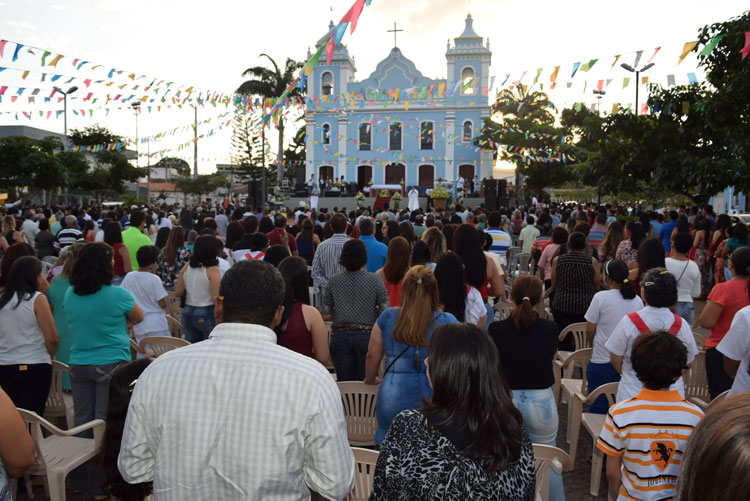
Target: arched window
point(467, 77)
point(326, 134)
point(395, 141)
point(326, 83)
point(365, 136)
point(426, 135)
point(468, 131)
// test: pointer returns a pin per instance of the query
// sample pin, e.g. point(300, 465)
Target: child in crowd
point(646, 436)
point(148, 292)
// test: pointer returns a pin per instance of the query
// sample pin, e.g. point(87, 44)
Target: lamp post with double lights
point(637, 79)
point(599, 95)
point(65, 122)
point(136, 108)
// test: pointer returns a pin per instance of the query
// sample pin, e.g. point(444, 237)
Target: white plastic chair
point(364, 473)
point(580, 342)
point(519, 264)
point(593, 424)
point(174, 310)
point(359, 400)
point(571, 386)
point(60, 452)
point(51, 260)
point(159, 345)
point(548, 458)
point(59, 404)
point(706, 406)
point(502, 310)
point(175, 327)
point(696, 381)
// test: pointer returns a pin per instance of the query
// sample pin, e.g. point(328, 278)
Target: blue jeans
point(685, 310)
point(348, 352)
point(490, 315)
point(197, 322)
point(597, 375)
point(540, 417)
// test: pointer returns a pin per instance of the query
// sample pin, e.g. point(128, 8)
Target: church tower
point(469, 59)
point(331, 80)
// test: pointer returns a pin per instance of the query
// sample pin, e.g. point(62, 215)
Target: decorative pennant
point(692, 78)
point(637, 58)
point(746, 49)
point(625, 82)
point(710, 46)
point(654, 54)
point(687, 49)
point(575, 69)
point(617, 58)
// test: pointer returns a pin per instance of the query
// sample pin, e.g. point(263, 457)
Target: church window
point(426, 135)
point(467, 77)
point(395, 136)
point(365, 136)
point(468, 131)
point(326, 134)
point(327, 83)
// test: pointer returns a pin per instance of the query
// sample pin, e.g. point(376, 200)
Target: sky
point(209, 44)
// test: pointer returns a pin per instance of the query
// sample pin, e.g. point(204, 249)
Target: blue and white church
point(397, 125)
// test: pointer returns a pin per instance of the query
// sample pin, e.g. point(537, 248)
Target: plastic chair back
point(364, 473)
point(359, 400)
point(696, 381)
point(547, 457)
point(175, 327)
point(579, 335)
point(56, 406)
point(159, 345)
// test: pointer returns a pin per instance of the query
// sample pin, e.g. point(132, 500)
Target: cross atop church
point(394, 31)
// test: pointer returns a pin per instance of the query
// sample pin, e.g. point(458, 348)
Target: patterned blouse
point(169, 273)
point(575, 284)
point(626, 252)
point(418, 462)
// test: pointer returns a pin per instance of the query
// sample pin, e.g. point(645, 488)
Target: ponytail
point(526, 293)
point(617, 271)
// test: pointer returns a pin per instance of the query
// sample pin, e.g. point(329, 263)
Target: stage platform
point(350, 203)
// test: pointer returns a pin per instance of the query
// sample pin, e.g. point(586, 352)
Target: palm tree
point(271, 83)
point(523, 104)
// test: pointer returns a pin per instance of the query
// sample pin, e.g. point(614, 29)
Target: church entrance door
point(325, 172)
point(364, 176)
point(394, 173)
point(466, 172)
point(426, 177)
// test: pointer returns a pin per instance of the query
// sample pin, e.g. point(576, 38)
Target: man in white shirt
point(237, 416)
point(735, 346)
point(687, 273)
point(148, 292)
point(660, 294)
point(528, 234)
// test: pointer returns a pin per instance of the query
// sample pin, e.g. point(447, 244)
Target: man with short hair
point(133, 238)
point(500, 239)
point(279, 235)
point(596, 234)
point(223, 221)
point(527, 235)
point(30, 226)
point(326, 261)
point(70, 234)
point(237, 416)
point(376, 251)
point(665, 233)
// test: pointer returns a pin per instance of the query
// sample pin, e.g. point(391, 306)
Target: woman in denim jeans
point(200, 278)
point(527, 346)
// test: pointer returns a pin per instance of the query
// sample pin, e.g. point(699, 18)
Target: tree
point(204, 183)
point(271, 83)
point(247, 146)
point(30, 163)
point(110, 168)
point(531, 138)
point(180, 166)
point(296, 153)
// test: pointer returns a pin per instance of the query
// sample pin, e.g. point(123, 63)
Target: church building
point(397, 125)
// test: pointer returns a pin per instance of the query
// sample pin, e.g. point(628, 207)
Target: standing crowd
point(272, 303)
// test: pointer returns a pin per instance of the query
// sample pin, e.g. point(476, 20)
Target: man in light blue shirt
point(376, 251)
point(501, 240)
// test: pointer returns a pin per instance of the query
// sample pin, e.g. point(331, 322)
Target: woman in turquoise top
point(402, 334)
point(97, 313)
point(56, 296)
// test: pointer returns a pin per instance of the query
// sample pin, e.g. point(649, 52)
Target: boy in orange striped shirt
point(645, 436)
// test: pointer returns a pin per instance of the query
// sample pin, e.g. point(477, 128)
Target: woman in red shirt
point(725, 300)
point(397, 263)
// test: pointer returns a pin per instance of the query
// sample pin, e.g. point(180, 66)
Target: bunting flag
point(654, 55)
point(587, 66)
point(746, 49)
point(692, 78)
point(2, 46)
point(687, 49)
point(538, 73)
point(575, 69)
point(625, 82)
point(553, 76)
point(617, 58)
point(710, 46)
point(637, 58)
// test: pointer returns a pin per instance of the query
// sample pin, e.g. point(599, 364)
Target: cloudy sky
point(209, 44)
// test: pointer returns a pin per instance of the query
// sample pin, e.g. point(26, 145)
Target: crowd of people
point(250, 410)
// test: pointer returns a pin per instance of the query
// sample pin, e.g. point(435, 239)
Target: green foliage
point(173, 163)
point(30, 163)
point(93, 135)
point(528, 123)
point(204, 183)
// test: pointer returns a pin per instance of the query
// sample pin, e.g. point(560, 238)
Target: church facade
point(397, 125)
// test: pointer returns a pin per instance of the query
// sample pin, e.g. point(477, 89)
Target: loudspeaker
point(300, 190)
point(503, 202)
point(502, 191)
point(300, 175)
point(490, 194)
point(254, 193)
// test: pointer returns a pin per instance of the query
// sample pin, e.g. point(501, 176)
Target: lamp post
point(637, 79)
point(599, 95)
point(65, 122)
point(137, 106)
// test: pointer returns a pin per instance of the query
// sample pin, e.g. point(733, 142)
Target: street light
point(65, 121)
point(599, 95)
point(136, 106)
point(637, 79)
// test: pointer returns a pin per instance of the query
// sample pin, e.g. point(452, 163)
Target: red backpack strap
point(638, 322)
point(676, 326)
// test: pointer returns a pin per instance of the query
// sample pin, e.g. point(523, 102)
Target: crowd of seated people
point(409, 296)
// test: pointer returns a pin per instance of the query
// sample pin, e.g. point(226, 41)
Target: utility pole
point(135, 106)
point(65, 122)
point(263, 170)
point(637, 80)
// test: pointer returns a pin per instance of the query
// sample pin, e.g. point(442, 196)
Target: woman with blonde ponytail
point(402, 334)
point(527, 346)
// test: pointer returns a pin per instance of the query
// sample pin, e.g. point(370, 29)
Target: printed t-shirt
point(606, 310)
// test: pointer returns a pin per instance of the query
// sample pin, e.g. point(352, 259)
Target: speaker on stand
point(490, 194)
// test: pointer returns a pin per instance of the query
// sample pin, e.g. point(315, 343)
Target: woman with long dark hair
point(650, 255)
point(390, 231)
point(457, 297)
point(401, 333)
point(628, 249)
point(98, 314)
point(436, 242)
point(397, 263)
point(701, 245)
point(612, 238)
point(122, 266)
point(480, 272)
point(307, 241)
point(200, 279)
point(606, 310)
point(302, 328)
point(121, 389)
point(172, 258)
point(162, 236)
point(28, 334)
point(558, 238)
point(13, 252)
point(527, 345)
point(235, 233)
point(466, 441)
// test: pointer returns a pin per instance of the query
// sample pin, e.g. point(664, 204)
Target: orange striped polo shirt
point(650, 432)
